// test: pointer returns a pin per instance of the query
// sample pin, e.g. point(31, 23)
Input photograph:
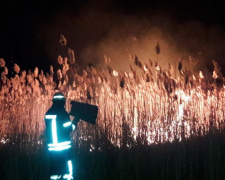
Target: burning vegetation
point(148, 105)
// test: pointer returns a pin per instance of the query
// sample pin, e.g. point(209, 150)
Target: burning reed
point(148, 105)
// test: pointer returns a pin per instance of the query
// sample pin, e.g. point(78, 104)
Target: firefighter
point(58, 129)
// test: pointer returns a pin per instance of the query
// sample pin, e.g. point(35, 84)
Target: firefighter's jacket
point(58, 128)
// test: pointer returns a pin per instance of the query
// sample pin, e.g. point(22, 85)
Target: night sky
point(30, 31)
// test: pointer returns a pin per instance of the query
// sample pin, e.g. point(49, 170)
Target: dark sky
point(30, 30)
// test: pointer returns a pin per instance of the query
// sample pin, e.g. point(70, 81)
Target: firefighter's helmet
point(58, 97)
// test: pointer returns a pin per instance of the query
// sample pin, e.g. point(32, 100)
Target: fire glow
point(148, 103)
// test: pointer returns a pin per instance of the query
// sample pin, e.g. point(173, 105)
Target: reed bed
point(148, 105)
point(153, 123)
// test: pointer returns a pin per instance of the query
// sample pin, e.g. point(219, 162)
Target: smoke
point(103, 29)
point(133, 36)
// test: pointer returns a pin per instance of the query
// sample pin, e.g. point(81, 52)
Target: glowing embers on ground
point(4, 141)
